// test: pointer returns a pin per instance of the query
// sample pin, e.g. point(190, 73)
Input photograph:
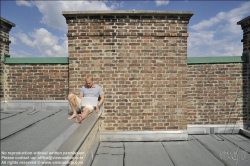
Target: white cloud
point(46, 43)
point(19, 53)
point(205, 43)
point(222, 49)
point(23, 3)
point(41, 39)
point(230, 18)
point(161, 2)
point(25, 39)
point(115, 5)
point(13, 40)
point(52, 10)
point(220, 35)
point(201, 38)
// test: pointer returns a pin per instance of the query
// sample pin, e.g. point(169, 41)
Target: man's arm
point(101, 101)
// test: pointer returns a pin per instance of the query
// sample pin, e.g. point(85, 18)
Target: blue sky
point(41, 29)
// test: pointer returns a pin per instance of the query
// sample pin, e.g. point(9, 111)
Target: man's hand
point(97, 109)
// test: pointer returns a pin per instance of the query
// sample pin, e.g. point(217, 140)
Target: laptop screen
point(89, 101)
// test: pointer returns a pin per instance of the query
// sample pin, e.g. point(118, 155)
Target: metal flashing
point(217, 59)
point(65, 60)
point(245, 132)
point(214, 129)
point(39, 105)
point(143, 135)
point(35, 60)
point(34, 104)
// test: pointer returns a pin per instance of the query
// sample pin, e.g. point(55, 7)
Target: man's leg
point(72, 103)
point(83, 115)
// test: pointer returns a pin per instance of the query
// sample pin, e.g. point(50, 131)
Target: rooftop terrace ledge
point(70, 140)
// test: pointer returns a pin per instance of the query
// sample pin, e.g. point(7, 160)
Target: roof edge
point(126, 12)
point(7, 21)
point(35, 60)
point(217, 60)
point(243, 20)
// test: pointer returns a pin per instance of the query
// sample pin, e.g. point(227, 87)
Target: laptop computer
point(89, 101)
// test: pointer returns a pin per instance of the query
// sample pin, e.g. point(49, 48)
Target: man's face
point(89, 82)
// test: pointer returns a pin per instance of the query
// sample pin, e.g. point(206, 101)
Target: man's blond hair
point(89, 77)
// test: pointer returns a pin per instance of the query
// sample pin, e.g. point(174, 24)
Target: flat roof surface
point(29, 130)
point(199, 150)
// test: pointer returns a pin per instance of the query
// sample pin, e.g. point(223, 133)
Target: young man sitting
point(88, 90)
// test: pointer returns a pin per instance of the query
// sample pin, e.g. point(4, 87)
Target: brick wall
point(246, 92)
point(36, 82)
point(140, 61)
point(245, 25)
point(1, 79)
point(86, 146)
point(212, 93)
point(5, 27)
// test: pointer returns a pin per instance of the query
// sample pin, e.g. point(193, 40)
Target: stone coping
point(7, 21)
point(243, 20)
point(128, 12)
